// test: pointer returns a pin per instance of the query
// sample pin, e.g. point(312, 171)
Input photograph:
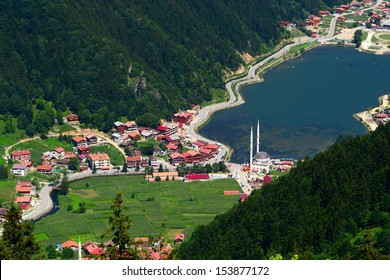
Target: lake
point(304, 104)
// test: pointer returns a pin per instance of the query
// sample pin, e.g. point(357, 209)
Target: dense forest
point(333, 206)
point(142, 60)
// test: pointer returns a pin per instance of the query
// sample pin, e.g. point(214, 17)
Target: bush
point(158, 178)
point(69, 208)
point(150, 199)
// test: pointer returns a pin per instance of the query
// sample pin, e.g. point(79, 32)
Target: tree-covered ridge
point(335, 205)
point(106, 59)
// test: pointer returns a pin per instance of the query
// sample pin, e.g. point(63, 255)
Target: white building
point(100, 160)
point(20, 169)
point(261, 161)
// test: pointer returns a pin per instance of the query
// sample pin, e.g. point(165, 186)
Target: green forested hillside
point(336, 205)
point(139, 59)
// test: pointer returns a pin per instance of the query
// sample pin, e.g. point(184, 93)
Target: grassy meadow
point(39, 146)
point(162, 207)
point(116, 157)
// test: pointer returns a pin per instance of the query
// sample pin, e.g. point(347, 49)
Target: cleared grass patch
point(7, 191)
point(39, 146)
point(384, 36)
point(153, 208)
point(218, 96)
point(116, 157)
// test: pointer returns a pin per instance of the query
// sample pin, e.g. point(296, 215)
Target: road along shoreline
point(233, 86)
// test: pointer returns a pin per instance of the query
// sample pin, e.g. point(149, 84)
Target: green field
point(218, 96)
point(296, 49)
point(384, 36)
point(7, 139)
point(116, 157)
point(37, 147)
point(7, 191)
point(163, 207)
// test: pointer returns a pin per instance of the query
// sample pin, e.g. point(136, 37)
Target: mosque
point(261, 161)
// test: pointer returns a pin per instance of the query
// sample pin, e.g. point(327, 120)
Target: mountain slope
point(335, 205)
point(106, 59)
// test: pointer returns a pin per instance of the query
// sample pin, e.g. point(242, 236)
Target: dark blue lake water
point(304, 104)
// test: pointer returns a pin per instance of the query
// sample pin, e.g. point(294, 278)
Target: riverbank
point(366, 117)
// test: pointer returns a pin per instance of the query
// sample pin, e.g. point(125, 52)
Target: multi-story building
point(100, 161)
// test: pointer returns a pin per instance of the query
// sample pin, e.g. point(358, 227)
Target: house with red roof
point(91, 139)
point(19, 169)
point(179, 238)
point(196, 177)
point(176, 158)
point(45, 169)
point(172, 175)
point(285, 23)
point(192, 156)
point(182, 117)
point(100, 161)
point(69, 155)
point(131, 126)
point(267, 179)
point(231, 192)
point(168, 129)
point(59, 152)
point(324, 13)
point(142, 242)
point(79, 141)
point(212, 147)
point(23, 187)
point(72, 118)
point(134, 136)
point(48, 158)
point(198, 144)
point(243, 197)
point(206, 153)
point(340, 10)
point(83, 151)
point(69, 244)
point(21, 155)
point(92, 248)
point(133, 161)
point(171, 148)
point(23, 201)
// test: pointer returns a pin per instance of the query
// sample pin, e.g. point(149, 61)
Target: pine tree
point(94, 169)
point(124, 168)
point(17, 241)
point(119, 228)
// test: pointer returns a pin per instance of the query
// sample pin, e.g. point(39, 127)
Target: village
point(167, 152)
point(372, 17)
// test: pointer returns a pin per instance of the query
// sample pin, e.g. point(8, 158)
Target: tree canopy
point(335, 205)
point(17, 241)
point(142, 60)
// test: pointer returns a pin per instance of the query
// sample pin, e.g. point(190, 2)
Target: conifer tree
point(119, 228)
point(17, 241)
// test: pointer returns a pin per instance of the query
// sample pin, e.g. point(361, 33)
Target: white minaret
point(258, 137)
point(79, 248)
point(251, 149)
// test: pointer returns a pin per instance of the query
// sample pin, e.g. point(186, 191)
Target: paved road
point(44, 206)
point(333, 22)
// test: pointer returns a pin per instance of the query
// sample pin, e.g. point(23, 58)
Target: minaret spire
point(79, 248)
point(251, 149)
point(258, 136)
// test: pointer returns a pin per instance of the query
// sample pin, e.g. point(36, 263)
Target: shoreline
point(365, 117)
point(252, 75)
